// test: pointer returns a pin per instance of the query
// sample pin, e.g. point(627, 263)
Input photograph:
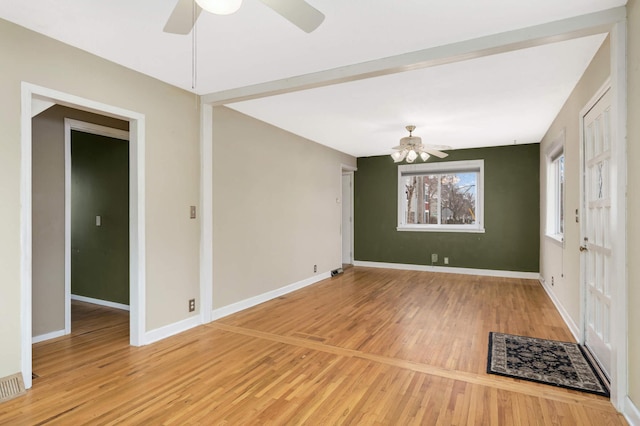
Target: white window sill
point(450, 228)
point(556, 238)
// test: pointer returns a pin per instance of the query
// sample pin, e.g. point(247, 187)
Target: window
point(555, 190)
point(445, 196)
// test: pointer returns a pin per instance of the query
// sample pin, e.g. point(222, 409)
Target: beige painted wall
point(274, 204)
point(633, 212)
point(558, 261)
point(172, 171)
point(48, 212)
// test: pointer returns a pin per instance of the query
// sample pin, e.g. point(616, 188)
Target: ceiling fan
point(411, 148)
point(186, 13)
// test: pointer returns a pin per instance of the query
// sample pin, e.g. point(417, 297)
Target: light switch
point(98, 220)
point(193, 212)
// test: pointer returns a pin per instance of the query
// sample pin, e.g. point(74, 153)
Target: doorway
point(97, 199)
point(347, 218)
point(31, 95)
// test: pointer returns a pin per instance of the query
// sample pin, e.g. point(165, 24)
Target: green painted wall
point(100, 187)
point(511, 208)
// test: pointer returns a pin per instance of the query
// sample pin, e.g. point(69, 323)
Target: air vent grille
point(11, 387)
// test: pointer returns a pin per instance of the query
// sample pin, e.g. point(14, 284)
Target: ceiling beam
point(566, 29)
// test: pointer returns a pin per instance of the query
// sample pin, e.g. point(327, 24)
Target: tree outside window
point(440, 200)
point(445, 199)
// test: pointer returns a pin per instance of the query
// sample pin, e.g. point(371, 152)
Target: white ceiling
point(491, 100)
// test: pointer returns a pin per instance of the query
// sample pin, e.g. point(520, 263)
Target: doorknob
point(583, 248)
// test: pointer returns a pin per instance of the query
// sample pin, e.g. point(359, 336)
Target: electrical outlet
point(434, 258)
point(552, 283)
point(315, 268)
point(446, 260)
point(192, 305)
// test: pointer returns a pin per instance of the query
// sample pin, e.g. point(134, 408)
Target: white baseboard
point(171, 329)
point(100, 302)
point(47, 336)
point(450, 270)
point(631, 412)
point(264, 297)
point(573, 327)
point(194, 321)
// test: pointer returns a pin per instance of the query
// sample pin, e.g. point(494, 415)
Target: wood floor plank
point(373, 347)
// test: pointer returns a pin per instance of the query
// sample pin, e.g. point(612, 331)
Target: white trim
point(26, 262)
point(556, 146)
point(449, 270)
point(440, 228)
point(137, 236)
point(606, 86)
point(48, 336)
point(82, 126)
point(136, 212)
point(619, 326)
point(96, 129)
point(206, 212)
point(348, 171)
point(555, 150)
point(557, 239)
point(573, 327)
point(100, 302)
point(631, 412)
point(441, 166)
point(345, 168)
point(171, 329)
point(265, 297)
point(67, 226)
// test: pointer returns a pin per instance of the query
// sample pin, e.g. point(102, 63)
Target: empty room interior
point(319, 212)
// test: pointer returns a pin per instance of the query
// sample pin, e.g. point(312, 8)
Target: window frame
point(441, 167)
point(555, 196)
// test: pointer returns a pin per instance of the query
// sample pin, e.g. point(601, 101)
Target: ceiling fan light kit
point(410, 156)
point(411, 148)
point(220, 7)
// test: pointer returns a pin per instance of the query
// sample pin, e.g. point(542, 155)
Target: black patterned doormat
point(551, 362)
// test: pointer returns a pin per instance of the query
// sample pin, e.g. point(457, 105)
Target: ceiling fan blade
point(183, 17)
point(439, 147)
point(398, 147)
point(435, 152)
point(298, 12)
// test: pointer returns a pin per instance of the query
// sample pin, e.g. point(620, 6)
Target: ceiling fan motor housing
point(411, 148)
point(411, 141)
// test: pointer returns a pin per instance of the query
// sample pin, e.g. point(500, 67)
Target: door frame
point(94, 129)
point(584, 290)
point(137, 252)
point(618, 271)
point(618, 65)
point(346, 170)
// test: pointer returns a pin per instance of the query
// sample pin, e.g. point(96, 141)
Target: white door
point(596, 247)
point(347, 220)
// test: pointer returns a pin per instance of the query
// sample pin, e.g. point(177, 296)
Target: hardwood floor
point(368, 347)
